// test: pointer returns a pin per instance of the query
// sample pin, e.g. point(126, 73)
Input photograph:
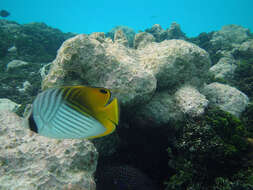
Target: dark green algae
point(212, 152)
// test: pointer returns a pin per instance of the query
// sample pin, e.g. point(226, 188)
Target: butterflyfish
point(74, 112)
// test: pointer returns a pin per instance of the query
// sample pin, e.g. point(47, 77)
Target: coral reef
point(128, 32)
point(24, 49)
point(34, 42)
point(14, 64)
point(34, 162)
point(6, 104)
point(190, 101)
point(20, 83)
point(85, 60)
point(142, 39)
point(224, 69)
point(226, 98)
point(174, 32)
point(243, 79)
point(245, 50)
point(228, 40)
point(160, 110)
point(120, 37)
point(208, 151)
point(186, 108)
point(8, 30)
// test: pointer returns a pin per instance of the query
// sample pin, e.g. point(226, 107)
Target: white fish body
point(56, 119)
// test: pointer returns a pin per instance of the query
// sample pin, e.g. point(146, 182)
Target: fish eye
point(103, 91)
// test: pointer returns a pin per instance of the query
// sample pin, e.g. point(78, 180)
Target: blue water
point(82, 16)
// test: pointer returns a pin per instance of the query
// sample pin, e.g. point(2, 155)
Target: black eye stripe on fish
point(74, 112)
point(103, 91)
point(32, 124)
